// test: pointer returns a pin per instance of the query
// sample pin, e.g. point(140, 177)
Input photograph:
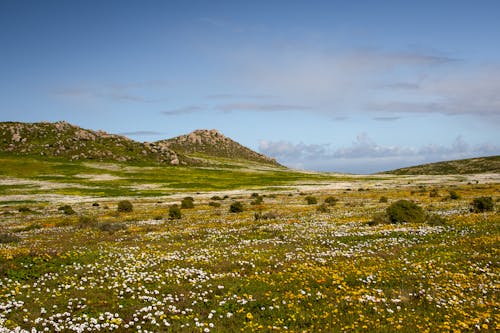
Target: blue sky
point(350, 86)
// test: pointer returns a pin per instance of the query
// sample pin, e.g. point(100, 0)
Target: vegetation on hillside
point(466, 166)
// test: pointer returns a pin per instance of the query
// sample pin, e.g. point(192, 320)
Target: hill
point(211, 143)
point(67, 141)
point(489, 164)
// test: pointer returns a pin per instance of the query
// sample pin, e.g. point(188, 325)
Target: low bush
point(236, 207)
point(24, 209)
point(174, 212)
point(482, 204)
point(331, 201)
point(214, 204)
point(8, 238)
point(311, 200)
point(436, 220)
point(379, 218)
point(187, 203)
point(383, 199)
point(215, 197)
point(403, 211)
point(323, 208)
point(67, 209)
point(434, 193)
point(257, 201)
point(111, 227)
point(125, 206)
point(265, 216)
point(453, 195)
point(86, 221)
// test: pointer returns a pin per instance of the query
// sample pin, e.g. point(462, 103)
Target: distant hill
point(489, 164)
point(211, 143)
point(64, 140)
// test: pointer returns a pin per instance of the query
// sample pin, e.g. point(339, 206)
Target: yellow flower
point(249, 316)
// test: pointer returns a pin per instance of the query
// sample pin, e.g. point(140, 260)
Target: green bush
point(24, 209)
point(403, 211)
point(258, 200)
point(214, 204)
point(111, 227)
point(215, 197)
point(383, 199)
point(436, 220)
point(174, 212)
point(482, 204)
point(453, 195)
point(379, 218)
point(86, 221)
point(323, 208)
point(67, 209)
point(8, 238)
point(311, 200)
point(125, 206)
point(434, 193)
point(236, 207)
point(265, 216)
point(187, 203)
point(331, 201)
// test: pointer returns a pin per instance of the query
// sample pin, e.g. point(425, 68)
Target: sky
point(345, 86)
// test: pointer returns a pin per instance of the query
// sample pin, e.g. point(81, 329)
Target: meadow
point(280, 265)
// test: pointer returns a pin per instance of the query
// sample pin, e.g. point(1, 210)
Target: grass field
point(280, 265)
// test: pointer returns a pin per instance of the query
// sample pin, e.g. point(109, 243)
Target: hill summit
point(64, 140)
point(211, 143)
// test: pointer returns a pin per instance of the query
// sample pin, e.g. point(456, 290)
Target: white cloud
point(182, 110)
point(261, 107)
point(366, 156)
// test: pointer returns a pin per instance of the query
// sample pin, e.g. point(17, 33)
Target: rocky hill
point(64, 140)
point(489, 164)
point(211, 143)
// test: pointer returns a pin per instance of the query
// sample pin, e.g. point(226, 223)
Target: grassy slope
point(467, 166)
point(125, 179)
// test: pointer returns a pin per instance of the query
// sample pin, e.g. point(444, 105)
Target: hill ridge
point(487, 164)
point(62, 139)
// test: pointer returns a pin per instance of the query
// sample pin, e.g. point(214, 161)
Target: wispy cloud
point(182, 110)
point(118, 92)
point(261, 107)
point(238, 96)
point(366, 156)
point(386, 118)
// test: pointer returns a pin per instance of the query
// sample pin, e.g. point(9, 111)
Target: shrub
point(258, 200)
point(453, 195)
point(8, 238)
point(174, 212)
point(379, 218)
point(383, 199)
point(434, 193)
point(95, 204)
point(236, 207)
point(403, 211)
point(111, 227)
point(125, 206)
point(67, 209)
point(85, 221)
point(214, 204)
point(436, 220)
point(24, 209)
point(331, 201)
point(187, 202)
point(482, 204)
point(265, 216)
point(216, 197)
point(311, 200)
point(323, 208)
point(254, 195)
